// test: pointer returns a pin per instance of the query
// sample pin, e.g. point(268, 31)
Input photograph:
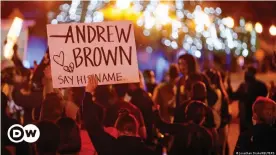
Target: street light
point(229, 22)
point(258, 27)
point(248, 27)
point(272, 30)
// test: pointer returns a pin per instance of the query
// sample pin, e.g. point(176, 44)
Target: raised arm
point(92, 112)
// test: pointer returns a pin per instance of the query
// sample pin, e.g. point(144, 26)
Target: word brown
point(98, 55)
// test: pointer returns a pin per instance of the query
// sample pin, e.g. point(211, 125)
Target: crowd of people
point(186, 114)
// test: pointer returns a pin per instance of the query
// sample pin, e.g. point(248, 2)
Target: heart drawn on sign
point(59, 59)
point(69, 68)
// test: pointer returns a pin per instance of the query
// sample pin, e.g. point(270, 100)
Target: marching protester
point(246, 94)
point(150, 81)
point(128, 141)
point(260, 138)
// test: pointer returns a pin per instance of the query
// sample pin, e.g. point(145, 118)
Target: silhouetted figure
point(262, 136)
point(150, 81)
point(246, 94)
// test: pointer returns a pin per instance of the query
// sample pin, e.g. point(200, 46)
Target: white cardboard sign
point(105, 50)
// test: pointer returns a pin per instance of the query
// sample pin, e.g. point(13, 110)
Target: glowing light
point(26, 64)
point(98, 16)
point(174, 35)
point(54, 21)
point(149, 49)
point(73, 16)
point(186, 46)
point(248, 27)
point(122, 4)
point(149, 22)
point(146, 32)
point(258, 27)
point(229, 22)
point(245, 52)
point(179, 14)
point(139, 22)
point(162, 14)
point(202, 18)
point(272, 30)
point(197, 54)
point(88, 19)
point(242, 22)
point(59, 18)
point(218, 11)
point(12, 36)
point(244, 45)
point(167, 42)
point(174, 45)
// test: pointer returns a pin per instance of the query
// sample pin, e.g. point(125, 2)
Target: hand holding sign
point(92, 84)
point(105, 50)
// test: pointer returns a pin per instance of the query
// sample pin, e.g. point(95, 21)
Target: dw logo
point(17, 133)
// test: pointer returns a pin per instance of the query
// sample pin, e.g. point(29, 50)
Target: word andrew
point(98, 55)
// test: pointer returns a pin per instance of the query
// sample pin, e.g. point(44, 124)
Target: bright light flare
point(12, 36)
point(272, 30)
point(162, 14)
point(229, 22)
point(202, 18)
point(258, 27)
point(123, 4)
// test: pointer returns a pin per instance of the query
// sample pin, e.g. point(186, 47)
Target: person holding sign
point(105, 50)
point(127, 143)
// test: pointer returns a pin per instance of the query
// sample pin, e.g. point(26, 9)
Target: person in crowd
point(262, 136)
point(164, 94)
point(49, 140)
point(221, 107)
point(141, 99)
point(52, 107)
point(113, 111)
point(150, 80)
point(128, 141)
point(246, 94)
point(25, 97)
point(190, 137)
point(188, 66)
point(6, 123)
point(272, 92)
point(70, 140)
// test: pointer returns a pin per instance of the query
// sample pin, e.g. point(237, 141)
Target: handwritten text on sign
point(105, 50)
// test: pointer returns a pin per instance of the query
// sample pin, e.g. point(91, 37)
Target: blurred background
point(225, 35)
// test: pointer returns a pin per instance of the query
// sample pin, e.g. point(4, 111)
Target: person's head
point(250, 73)
point(105, 95)
point(173, 72)
point(196, 112)
point(187, 64)
point(35, 63)
point(149, 76)
point(193, 78)
point(135, 86)
point(199, 91)
point(121, 89)
point(49, 139)
point(52, 107)
point(213, 75)
point(264, 110)
point(70, 140)
point(126, 124)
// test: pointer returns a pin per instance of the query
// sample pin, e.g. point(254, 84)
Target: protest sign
point(105, 50)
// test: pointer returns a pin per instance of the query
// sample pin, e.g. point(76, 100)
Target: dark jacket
point(189, 138)
point(261, 138)
point(141, 100)
point(102, 141)
point(28, 102)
